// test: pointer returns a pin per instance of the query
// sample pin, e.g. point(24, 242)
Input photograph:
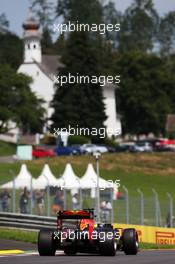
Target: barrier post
point(48, 200)
point(14, 192)
point(127, 203)
point(65, 198)
point(112, 206)
point(156, 207)
point(31, 194)
point(81, 198)
point(97, 156)
point(141, 206)
point(80, 194)
point(48, 196)
point(170, 208)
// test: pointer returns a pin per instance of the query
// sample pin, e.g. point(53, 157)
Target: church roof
point(31, 26)
point(31, 23)
point(50, 64)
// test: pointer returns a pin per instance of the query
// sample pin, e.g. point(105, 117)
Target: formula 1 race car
point(77, 232)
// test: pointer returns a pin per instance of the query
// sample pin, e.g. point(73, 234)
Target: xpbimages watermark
point(103, 185)
point(71, 235)
point(101, 132)
point(80, 27)
point(84, 79)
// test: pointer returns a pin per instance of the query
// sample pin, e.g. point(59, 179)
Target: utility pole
point(97, 157)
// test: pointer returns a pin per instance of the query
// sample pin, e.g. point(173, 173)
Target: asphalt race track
point(11, 244)
point(29, 257)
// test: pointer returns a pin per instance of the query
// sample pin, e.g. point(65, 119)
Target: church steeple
point(32, 37)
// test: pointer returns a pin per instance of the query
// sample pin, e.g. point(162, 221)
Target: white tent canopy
point(46, 178)
point(68, 180)
point(89, 180)
point(22, 180)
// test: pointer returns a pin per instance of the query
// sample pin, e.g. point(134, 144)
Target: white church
point(42, 67)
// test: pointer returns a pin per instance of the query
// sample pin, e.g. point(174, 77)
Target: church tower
point(32, 38)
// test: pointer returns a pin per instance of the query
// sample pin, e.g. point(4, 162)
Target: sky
point(16, 10)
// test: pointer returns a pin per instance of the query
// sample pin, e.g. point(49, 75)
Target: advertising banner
point(151, 234)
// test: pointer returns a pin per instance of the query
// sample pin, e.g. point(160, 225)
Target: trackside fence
point(138, 208)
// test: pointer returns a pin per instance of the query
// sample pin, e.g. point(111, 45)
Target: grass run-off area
point(31, 236)
point(135, 170)
point(7, 149)
point(144, 171)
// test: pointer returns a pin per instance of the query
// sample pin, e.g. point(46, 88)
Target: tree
point(147, 93)
point(112, 16)
point(166, 34)
point(46, 42)
point(44, 9)
point(78, 10)
point(11, 49)
point(139, 26)
point(59, 44)
point(4, 23)
point(80, 104)
point(18, 103)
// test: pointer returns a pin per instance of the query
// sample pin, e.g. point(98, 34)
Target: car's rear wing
point(76, 214)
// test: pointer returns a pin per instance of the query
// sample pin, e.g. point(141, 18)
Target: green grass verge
point(7, 149)
point(19, 235)
point(31, 236)
point(155, 246)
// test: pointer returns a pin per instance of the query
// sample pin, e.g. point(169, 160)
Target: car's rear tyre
point(130, 241)
point(46, 244)
point(107, 245)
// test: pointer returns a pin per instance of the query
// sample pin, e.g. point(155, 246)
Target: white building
point(112, 122)
point(42, 67)
point(39, 67)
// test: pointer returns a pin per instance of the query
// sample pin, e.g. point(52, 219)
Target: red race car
point(77, 232)
point(40, 152)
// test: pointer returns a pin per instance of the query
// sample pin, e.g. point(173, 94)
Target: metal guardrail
point(24, 221)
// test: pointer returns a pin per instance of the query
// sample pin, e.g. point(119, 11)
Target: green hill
point(7, 149)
